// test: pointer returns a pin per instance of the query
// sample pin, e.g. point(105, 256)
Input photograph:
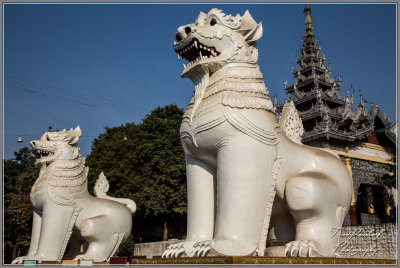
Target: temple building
point(364, 138)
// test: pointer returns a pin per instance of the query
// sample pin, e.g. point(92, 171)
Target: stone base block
point(278, 251)
point(261, 260)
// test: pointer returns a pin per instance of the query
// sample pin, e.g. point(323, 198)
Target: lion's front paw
point(301, 248)
point(179, 249)
point(200, 249)
point(83, 257)
point(19, 260)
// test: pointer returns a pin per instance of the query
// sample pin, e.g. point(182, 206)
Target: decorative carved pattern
point(268, 209)
point(247, 127)
point(290, 122)
point(101, 186)
point(263, 260)
point(116, 246)
point(72, 221)
point(365, 172)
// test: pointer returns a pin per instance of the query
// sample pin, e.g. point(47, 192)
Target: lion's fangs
point(40, 154)
point(196, 51)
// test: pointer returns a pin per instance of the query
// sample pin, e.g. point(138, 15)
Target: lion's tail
point(130, 204)
point(101, 188)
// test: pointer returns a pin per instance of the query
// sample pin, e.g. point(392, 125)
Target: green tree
point(163, 165)
point(144, 162)
point(20, 174)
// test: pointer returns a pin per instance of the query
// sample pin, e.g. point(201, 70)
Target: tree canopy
point(20, 174)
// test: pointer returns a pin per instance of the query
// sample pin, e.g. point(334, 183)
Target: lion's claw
point(192, 249)
point(174, 250)
point(296, 248)
point(200, 249)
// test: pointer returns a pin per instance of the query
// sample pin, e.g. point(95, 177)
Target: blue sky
point(97, 65)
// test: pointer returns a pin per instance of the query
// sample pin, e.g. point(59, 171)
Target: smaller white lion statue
point(63, 210)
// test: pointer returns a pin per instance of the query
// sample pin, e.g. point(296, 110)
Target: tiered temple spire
point(324, 112)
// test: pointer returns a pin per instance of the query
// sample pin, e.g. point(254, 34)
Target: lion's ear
point(201, 19)
point(73, 140)
point(74, 135)
point(255, 34)
point(249, 28)
point(78, 131)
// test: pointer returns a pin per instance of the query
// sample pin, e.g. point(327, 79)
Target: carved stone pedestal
point(276, 251)
point(260, 260)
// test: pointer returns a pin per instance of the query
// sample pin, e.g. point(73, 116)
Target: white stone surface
point(246, 178)
point(64, 211)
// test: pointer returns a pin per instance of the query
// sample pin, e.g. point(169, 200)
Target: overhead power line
point(38, 135)
point(40, 89)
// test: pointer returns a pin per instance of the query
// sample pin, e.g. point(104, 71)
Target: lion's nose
point(33, 144)
point(183, 32)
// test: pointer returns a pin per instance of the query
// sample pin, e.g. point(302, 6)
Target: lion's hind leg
point(77, 245)
point(103, 242)
point(315, 206)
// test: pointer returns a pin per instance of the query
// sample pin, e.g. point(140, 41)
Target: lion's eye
point(47, 138)
point(213, 22)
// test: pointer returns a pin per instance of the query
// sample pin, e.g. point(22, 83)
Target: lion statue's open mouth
point(212, 41)
point(39, 154)
point(195, 51)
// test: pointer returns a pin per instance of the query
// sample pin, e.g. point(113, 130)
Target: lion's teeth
point(179, 57)
point(195, 44)
point(201, 56)
point(184, 65)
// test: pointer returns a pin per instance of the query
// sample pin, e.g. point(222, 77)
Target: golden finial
point(309, 28)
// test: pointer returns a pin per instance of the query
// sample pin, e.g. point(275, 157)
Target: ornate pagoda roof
point(324, 112)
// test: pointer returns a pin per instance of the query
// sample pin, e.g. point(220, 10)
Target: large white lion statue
point(249, 178)
point(64, 211)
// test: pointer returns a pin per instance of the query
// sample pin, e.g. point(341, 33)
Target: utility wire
point(16, 82)
point(37, 135)
point(52, 95)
